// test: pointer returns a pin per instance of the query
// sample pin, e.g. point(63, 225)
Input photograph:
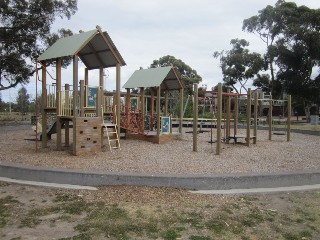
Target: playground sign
point(165, 125)
point(92, 96)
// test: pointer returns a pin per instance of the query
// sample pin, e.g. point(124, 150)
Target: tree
point(292, 35)
point(188, 75)
point(268, 26)
point(23, 100)
point(238, 64)
point(25, 33)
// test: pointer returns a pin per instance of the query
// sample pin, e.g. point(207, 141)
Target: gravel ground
point(278, 155)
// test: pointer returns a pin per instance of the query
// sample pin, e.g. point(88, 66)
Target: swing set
point(223, 102)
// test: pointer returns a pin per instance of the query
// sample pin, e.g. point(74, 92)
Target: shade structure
point(95, 49)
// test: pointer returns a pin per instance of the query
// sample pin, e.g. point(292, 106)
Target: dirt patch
point(126, 212)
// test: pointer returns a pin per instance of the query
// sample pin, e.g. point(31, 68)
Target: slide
point(51, 130)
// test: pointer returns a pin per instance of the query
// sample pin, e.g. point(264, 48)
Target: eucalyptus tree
point(239, 65)
point(292, 37)
point(25, 33)
point(188, 75)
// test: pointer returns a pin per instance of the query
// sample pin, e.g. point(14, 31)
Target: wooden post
point(101, 86)
point(270, 118)
point(236, 110)
point(75, 85)
point(219, 115)
point(195, 117)
point(44, 106)
point(118, 88)
point(255, 128)
point(158, 113)
point(82, 98)
point(181, 112)
point(248, 116)
point(58, 101)
point(289, 119)
point(66, 136)
point(142, 107)
point(228, 118)
point(166, 103)
point(151, 108)
point(86, 81)
point(128, 102)
point(75, 96)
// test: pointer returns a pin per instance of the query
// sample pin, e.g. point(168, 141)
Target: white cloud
point(145, 30)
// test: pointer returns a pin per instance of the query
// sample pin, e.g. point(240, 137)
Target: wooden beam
point(195, 117)
point(289, 119)
point(236, 111)
point(75, 96)
point(95, 53)
point(255, 128)
point(151, 108)
point(58, 101)
point(166, 102)
point(44, 105)
point(142, 107)
point(270, 118)
point(181, 111)
point(219, 115)
point(82, 98)
point(101, 86)
point(109, 45)
point(228, 117)
point(180, 82)
point(248, 117)
point(158, 112)
point(128, 103)
point(118, 99)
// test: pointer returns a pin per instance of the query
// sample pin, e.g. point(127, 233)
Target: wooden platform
point(236, 137)
point(151, 137)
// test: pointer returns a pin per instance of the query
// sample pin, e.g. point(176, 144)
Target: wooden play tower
point(153, 123)
point(78, 104)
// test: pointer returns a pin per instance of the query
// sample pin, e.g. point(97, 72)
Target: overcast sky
point(146, 30)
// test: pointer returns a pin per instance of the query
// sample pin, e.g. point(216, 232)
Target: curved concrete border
point(195, 182)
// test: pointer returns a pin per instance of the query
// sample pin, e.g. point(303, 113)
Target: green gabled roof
point(166, 77)
point(67, 46)
point(95, 48)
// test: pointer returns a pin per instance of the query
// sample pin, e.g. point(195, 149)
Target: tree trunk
point(307, 107)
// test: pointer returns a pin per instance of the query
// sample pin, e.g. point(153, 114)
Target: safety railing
point(51, 96)
point(67, 103)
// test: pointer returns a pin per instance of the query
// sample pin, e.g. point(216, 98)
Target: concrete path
point(46, 184)
point(187, 181)
point(260, 190)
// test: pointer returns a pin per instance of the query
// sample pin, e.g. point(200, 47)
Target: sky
point(146, 30)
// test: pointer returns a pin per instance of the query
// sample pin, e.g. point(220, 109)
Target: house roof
point(166, 77)
point(95, 49)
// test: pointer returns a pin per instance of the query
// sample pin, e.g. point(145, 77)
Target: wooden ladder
point(112, 135)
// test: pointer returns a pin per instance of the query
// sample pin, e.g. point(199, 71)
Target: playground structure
point(86, 109)
point(156, 125)
point(79, 106)
point(91, 113)
point(223, 101)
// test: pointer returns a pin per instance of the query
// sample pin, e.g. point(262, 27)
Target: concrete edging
point(188, 181)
